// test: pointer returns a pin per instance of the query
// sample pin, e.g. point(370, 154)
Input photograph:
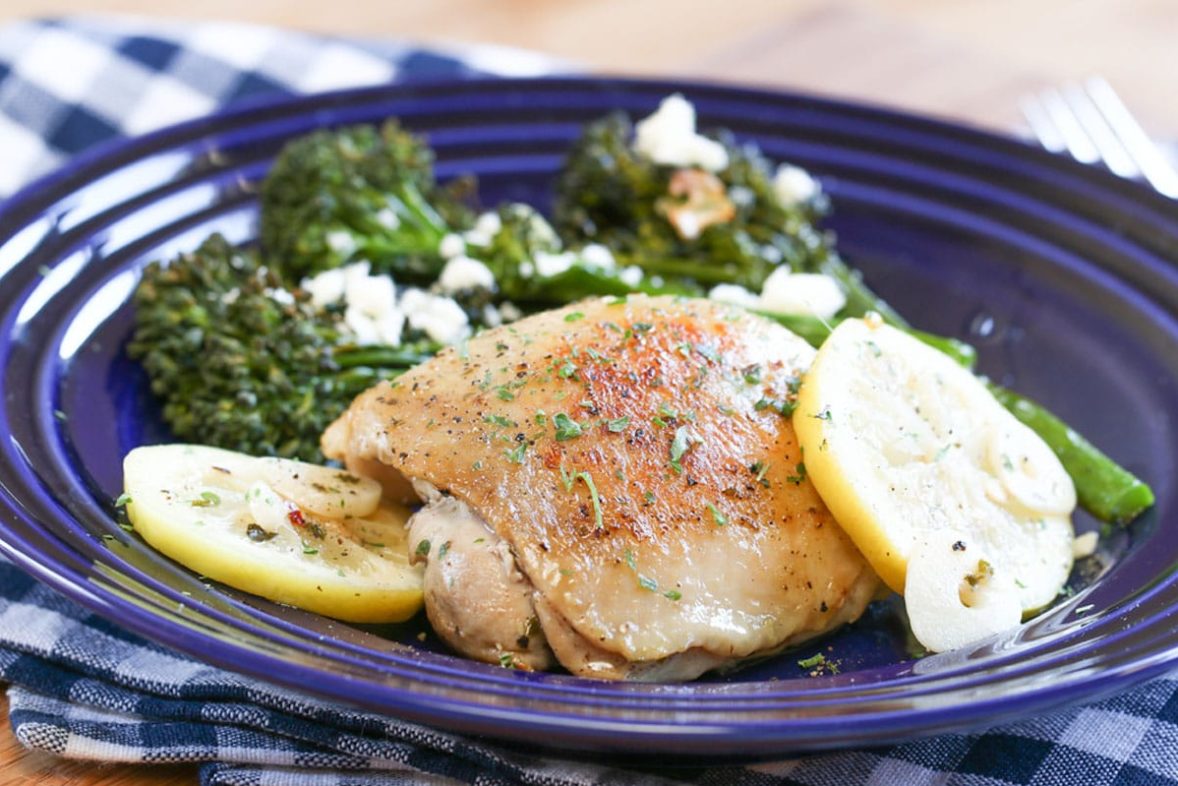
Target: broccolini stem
point(1104, 488)
point(711, 272)
point(860, 298)
point(382, 356)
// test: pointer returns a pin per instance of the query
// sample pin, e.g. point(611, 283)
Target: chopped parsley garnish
point(588, 481)
point(717, 515)
point(752, 374)
point(648, 497)
point(673, 594)
point(443, 550)
point(504, 394)
point(628, 557)
point(680, 444)
point(568, 370)
point(759, 468)
point(819, 664)
point(422, 548)
point(499, 420)
point(647, 583)
point(573, 316)
point(123, 500)
point(618, 424)
point(208, 499)
point(825, 415)
point(797, 479)
point(507, 660)
point(516, 454)
point(566, 427)
point(708, 352)
point(642, 327)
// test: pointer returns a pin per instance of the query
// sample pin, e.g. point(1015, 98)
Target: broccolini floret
point(739, 231)
point(240, 362)
point(361, 192)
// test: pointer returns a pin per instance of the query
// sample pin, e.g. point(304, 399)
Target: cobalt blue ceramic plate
point(1064, 278)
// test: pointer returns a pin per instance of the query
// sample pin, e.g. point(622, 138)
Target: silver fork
point(1090, 123)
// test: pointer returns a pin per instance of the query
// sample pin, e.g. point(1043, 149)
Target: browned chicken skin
point(635, 459)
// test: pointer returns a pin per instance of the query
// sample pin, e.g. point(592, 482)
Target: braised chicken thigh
point(615, 485)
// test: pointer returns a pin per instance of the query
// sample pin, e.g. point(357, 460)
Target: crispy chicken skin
point(634, 457)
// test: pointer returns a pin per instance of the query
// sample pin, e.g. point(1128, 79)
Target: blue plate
point(1064, 278)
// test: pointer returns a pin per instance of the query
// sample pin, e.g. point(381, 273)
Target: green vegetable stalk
point(361, 192)
point(242, 363)
point(1105, 489)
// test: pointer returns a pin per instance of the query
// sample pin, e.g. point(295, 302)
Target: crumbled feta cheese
point(527, 269)
point(488, 223)
point(462, 274)
point(491, 316)
point(597, 255)
point(452, 245)
point(668, 137)
point(372, 295)
point(631, 276)
point(371, 313)
point(341, 243)
point(806, 294)
point(549, 265)
point(326, 287)
point(541, 231)
point(280, 296)
point(794, 185)
point(388, 219)
point(485, 228)
point(510, 311)
point(440, 318)
point(736, 295)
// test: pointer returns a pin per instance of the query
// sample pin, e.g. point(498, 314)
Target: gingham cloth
point(83, 688)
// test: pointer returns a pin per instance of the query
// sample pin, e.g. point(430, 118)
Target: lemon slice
point(313, 537)
point(902, 443)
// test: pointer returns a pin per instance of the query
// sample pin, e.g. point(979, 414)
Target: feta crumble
point(440, 318)
point(734, 294)
point(668, 137)
point(549, 265)
point(452, 245)
point(631, 276)
point(462, 274)
point(805, 294)
point(794, 185)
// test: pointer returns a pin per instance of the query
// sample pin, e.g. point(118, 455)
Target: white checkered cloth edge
point(84, 688)
point(67, 84)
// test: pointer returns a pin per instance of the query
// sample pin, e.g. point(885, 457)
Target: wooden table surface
point(969, 60)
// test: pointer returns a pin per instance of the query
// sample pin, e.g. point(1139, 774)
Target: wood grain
point(966, 59)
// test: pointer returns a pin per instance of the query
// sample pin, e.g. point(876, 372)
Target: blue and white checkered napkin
point(83, 688)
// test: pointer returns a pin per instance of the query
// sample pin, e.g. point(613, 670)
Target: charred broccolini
point(360, 192)
point(609, 193)
point(243, 363)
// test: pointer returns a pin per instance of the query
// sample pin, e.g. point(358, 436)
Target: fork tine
point(1144, 152)
point(1075, 138)
point(1112, 151)
point(1041, 126)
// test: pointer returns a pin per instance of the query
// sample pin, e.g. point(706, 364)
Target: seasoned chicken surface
point(638, 460)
